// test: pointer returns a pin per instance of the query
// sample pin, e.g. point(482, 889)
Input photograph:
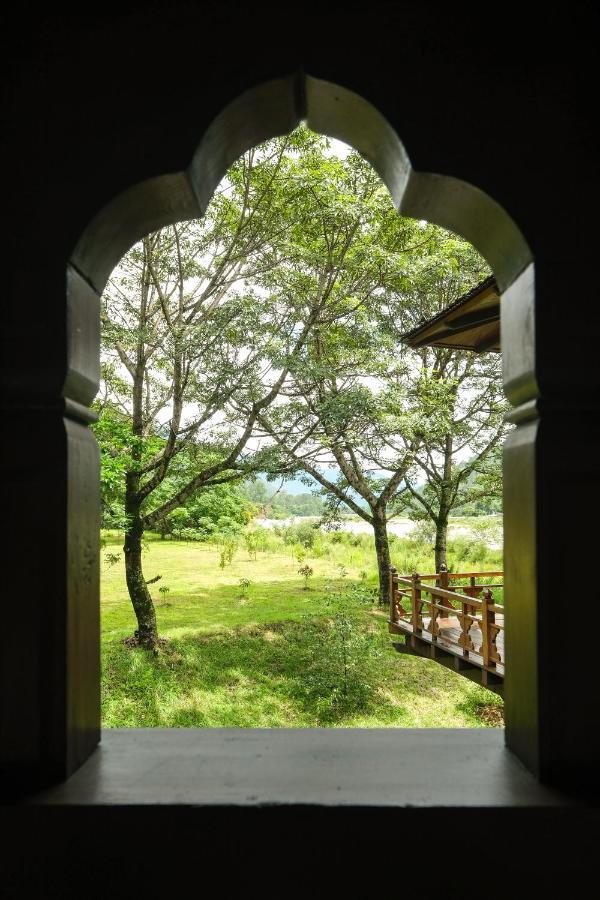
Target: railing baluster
point(433, 625)
point(485, 626)
point(394, 611)
point(417, 620)
point(465, 627)
point(494, 630)
point(444, 582)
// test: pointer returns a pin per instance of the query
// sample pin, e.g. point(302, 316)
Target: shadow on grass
point(281, 674)
point(288, 674)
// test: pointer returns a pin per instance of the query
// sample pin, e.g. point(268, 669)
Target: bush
point(306, 572)
point(191, 534)
point(227, 525)
point(228, 552)
point(304, 534)
point(206, 525)
point(342, 657)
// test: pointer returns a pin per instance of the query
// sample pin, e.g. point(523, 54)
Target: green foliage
point(488, 531)
point(112, 559)
point(342, 656)
point(244, 585)
point(306, 572)
point(220, 510)
point(228, 552)
point(277, 322)
point(251, 542)
point(217, 504)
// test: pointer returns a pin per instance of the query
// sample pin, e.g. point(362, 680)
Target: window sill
point(291, 767)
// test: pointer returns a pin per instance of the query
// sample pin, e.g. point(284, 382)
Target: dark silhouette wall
point(105, 112)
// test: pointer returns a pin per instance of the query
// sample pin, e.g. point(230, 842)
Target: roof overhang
point(470, 323)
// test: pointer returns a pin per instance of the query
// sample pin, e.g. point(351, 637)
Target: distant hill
point(294, 497)
point(296, 486)
point(278, 502)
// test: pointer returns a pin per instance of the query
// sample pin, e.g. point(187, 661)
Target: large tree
point(185, 334)
point(396, 423)
point(461, 465)
point(458, 463)
point(348, 401)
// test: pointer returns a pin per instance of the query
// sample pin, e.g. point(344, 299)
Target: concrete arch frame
point(61, 679)
point(276, 108)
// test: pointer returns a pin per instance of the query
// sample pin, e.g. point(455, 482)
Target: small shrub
point(306, 573)
point(305, 534)
point(244, 585)
point(163, 591)
point(343, 658)
point(251, 542)
point(229, 550)
point(227, 553)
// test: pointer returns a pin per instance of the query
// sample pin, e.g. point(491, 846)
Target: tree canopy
point(267, 337)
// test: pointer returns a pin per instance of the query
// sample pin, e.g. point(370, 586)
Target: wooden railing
point(420, 609)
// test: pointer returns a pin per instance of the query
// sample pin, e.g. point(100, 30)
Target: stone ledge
point(376, 768)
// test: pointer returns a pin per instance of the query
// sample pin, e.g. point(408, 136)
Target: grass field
point(272, 653)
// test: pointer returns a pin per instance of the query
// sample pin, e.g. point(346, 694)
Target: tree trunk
point(141, 600)
point(382, 549)
point(441, 539)
point(441, 523)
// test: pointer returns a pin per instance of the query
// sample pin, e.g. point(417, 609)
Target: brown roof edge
point(484, 285)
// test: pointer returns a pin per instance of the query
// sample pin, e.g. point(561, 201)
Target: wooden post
point(417, 621)
point(472, 592)
point(485, 626)
point(435, 612)
point(393, 588)
point(465, 640)
point(444, 582)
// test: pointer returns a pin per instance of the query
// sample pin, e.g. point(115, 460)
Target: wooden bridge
point(452, 618)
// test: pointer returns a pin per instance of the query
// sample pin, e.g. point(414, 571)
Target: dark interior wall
point(100, 102)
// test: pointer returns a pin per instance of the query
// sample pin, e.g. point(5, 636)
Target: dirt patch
point(491, 714)
point(133, 642)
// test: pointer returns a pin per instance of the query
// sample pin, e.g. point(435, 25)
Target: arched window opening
point(279, 340)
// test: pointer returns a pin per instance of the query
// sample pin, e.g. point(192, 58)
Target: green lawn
point(268, 655)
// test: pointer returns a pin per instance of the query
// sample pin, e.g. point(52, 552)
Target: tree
point(460, 463)
point(360, 397)
point(184, 333)
point(371, 433)
point(449, 483)
point(348, 400)
point(201, 330)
